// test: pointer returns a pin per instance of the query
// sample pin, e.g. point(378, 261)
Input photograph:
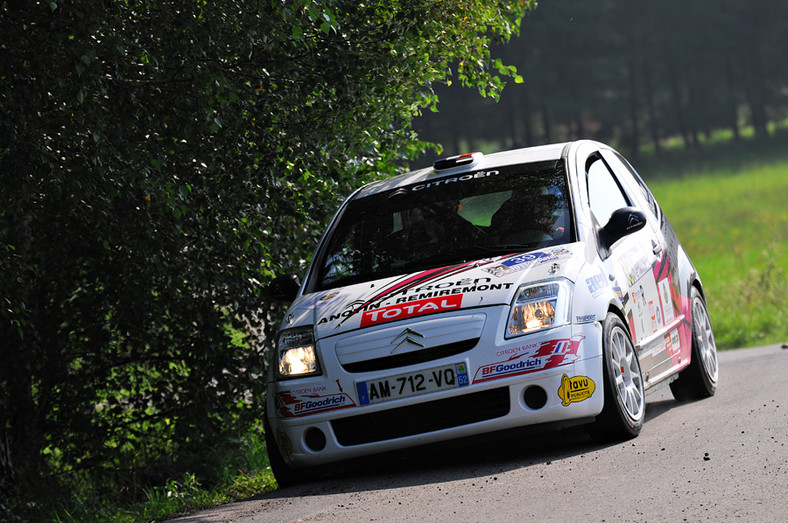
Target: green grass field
point(733, 222)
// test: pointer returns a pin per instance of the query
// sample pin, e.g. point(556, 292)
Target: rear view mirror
point(623, 222)
point(284, 288)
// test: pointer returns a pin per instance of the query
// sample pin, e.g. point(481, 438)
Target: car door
point(674, 345)
point(636, 263)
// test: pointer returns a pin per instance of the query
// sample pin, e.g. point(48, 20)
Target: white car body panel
point(437, 309)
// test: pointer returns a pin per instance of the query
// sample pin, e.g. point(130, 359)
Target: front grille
point(421, 418)
point(411, 358)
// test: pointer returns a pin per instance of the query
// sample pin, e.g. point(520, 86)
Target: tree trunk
point(548, 138)
point(652, 114)
point(755, 99)
point(733, 109)
point(527, 125)
point(7, 472)
point(633, 108)
point(511, 120)
point(678, 106)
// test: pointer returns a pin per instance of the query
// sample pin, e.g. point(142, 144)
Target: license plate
point(412, 384)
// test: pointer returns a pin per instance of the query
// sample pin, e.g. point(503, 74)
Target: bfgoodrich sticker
point(547, 355)
point(292, 404)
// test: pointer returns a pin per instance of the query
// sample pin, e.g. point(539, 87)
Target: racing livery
point(486, 292)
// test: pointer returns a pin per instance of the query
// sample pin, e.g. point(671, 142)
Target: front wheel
point(699, 379)
point(285, 475)
point(625, 401)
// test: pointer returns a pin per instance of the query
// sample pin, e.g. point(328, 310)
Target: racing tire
point(285, 475)
point(625, 401)
point(699, 379)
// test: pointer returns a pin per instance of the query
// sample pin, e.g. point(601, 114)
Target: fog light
point(535, 397)
point(315, 439)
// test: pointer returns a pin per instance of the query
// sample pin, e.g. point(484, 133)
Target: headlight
point(539, 306)
point(296, 353)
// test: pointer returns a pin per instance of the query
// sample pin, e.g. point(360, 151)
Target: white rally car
point(490, 291)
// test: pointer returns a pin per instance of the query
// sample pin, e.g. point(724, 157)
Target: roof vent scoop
point(457, 161)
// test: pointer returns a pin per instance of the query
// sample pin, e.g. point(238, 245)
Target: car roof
point(487, 161)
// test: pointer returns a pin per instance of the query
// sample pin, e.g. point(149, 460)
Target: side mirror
point(623, 222)
point(284, 288)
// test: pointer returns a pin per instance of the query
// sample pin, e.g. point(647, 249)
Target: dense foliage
point(160, 162)
point(633, 72)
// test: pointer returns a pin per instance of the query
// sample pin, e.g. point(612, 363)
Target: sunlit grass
point(734, 225)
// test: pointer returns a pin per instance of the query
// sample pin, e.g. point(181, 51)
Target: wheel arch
point(698, 285)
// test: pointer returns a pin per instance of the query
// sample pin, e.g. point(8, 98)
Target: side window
point(604, 193)
point(623, 168)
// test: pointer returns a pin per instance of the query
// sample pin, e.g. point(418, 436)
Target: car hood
point(480, 283)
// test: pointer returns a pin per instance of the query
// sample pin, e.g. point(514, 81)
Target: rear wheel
point(285, 475)
point(699, 379)
point(625, 405)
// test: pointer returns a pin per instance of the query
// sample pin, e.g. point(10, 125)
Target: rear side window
point(604, 192)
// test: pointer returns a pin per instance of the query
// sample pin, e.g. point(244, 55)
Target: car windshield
point(448, 220)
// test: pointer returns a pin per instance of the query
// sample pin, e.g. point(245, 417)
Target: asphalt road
point(720, 459)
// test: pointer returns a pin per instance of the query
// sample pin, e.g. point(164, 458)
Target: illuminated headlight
point(539, 306)
point(296, 353)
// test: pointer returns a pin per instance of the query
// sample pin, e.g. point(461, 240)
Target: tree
point(162, 161)
point(630, 72)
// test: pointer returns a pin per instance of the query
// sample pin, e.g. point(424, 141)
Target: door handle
point(656, 248)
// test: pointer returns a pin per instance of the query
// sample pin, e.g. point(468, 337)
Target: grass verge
point(733, 221)
point(177, 497)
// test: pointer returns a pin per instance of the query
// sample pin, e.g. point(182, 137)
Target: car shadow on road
point(469, 458)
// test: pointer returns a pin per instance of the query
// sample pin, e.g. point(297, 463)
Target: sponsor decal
point(547, 355)
point(448, 288)
point(426, 284)
point(424, 292)
point(410, 310)
point(622, 296)
point(514, 351)
point(588, 318)
point(666, 345)
point(526, 260)
point(656, 316)
point(329, 296)
point(635, 263)
point(596, 284)
point(454, 179)
point(675, 341)
point(302, 402)
point(631, 324)
point(574, 389)
point(666, 300)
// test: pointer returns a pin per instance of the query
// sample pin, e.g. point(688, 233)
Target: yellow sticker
point(574, 389)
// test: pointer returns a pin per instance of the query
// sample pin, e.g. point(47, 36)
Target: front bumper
point(549, 376)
